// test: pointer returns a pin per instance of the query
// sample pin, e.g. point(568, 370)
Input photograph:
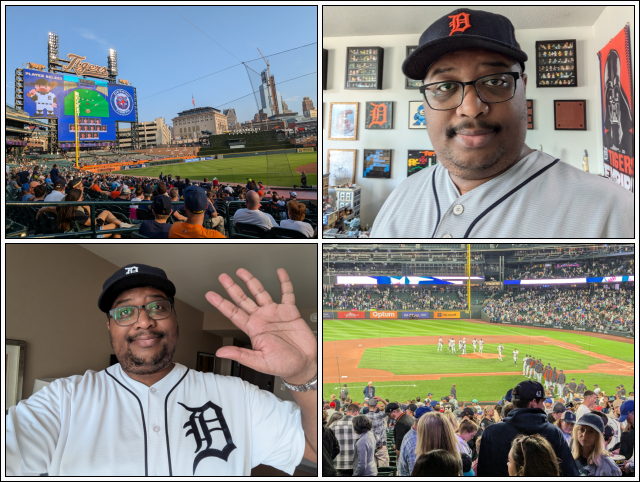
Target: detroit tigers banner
point(617, 110)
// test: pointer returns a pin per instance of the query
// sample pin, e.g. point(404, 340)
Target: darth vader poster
point(617, 110)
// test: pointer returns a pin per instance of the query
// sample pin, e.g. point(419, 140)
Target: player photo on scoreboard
point(200, 362)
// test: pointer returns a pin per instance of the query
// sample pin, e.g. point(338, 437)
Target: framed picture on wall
point(377, 163)
point(14, 371)
point(378, 115)
point(343, 121)
point(416, 115)
point(325, 63)
point(570, 115)
point(364, 68)
point(529, 114)
point(417, 160)
point(410, 83)
point(556, 63)
point(341, 164)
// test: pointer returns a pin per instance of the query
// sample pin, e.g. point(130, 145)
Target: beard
point(131, 363)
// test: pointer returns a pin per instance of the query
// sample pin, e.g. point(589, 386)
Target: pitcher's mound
point(480, 355)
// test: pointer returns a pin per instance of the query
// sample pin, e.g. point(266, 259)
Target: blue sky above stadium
point(159, 51)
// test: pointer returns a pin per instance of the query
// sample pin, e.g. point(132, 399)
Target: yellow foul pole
point(469, 278)
point(77, 111)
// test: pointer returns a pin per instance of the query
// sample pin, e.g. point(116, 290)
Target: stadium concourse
point(488, 360)
point(145, 207)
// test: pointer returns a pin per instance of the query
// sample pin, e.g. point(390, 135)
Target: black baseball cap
point(195, 199)
point(413, 407)
point(162, 205)
point(467, 411)
point(559, 408)
point(60, 183)
point(528, 390)
point(134, 276)
point(391, 407)
point(464, 28)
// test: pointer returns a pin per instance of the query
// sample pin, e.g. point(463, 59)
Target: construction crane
point(272, 88)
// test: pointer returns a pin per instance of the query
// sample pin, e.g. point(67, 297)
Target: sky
point(161, 48)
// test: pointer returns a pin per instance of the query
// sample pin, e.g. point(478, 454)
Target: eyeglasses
point(491, 89)
point(128, 315)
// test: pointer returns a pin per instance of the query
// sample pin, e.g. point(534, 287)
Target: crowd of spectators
point(619, 266)
point(528, 433)
point(600, 308)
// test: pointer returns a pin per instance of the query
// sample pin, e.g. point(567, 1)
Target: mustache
point(159, 334)
point(479, 124)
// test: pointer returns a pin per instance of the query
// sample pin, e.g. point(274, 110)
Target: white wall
point(566, 145)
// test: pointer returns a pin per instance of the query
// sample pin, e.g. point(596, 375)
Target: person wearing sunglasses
point(151, 416)
point(487, 182)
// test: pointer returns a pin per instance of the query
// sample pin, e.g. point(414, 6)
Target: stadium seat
point(48, 223)
point(253, 230)
point(144, 215)
point(287, 233)
point(138, 235)
point(243, 236)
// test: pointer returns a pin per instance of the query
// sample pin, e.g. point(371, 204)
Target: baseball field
point(273, 170)
point(402, 360)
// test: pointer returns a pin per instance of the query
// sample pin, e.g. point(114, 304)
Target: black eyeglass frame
point(110, 313)
point(516, 76)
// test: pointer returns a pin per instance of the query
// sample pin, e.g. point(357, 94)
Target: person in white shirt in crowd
point(296, 212)
point(589, 403)
point(252, 214)
point(57, 195)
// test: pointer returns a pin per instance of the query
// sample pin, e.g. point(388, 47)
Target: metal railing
point(92, 216)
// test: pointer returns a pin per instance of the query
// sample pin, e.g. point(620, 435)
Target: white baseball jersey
point(500, 348)
point(45, 101)
point(481, 342)
point(189, 423)
point(474, 343)
point(515, 354)
point(550, 199)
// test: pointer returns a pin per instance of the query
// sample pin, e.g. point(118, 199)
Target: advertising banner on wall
point(351, 314)
point(616, 89)
point(383, 315)
point(327, 315)
point(446, 314)
point(415, 314)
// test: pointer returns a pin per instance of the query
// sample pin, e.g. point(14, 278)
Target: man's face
point(590, 400)
point(477, 140)
point(146, 346)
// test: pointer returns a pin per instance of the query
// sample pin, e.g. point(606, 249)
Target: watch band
point(310, 385)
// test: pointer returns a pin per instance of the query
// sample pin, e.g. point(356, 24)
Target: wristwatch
point(310, 385)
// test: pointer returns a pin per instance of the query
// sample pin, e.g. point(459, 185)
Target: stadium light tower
point(112, 64)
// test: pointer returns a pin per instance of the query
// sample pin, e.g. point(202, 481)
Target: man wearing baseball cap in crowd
point(195, 203)
point(149, 416)
point(407, 456)
point(527, 418)
point(57, 194)
point(403, 423)
point(628, 423)
point(378, 428)
point(474, 98)
point(556, 412)
point(158, 228)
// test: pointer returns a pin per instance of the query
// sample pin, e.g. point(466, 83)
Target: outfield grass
point(420, 359)
point(272, 169)
point(333, 330)
point(468, 388)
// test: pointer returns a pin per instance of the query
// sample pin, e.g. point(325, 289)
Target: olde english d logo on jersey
point(201, 432)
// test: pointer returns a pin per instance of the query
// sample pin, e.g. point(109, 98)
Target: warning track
point(350, 352)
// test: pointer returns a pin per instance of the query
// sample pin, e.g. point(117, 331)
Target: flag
point(193, 101)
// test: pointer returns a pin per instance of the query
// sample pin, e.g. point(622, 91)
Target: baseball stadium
point(457, 326)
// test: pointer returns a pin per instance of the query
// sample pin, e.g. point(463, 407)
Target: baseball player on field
point(464, 347)
point(500, 349)
point(150, 416)
point(452, 344)
point(515, 357)
point(481, 344)
point(554, 379)
point(440, 344)
point(524, 365)
point(474, 343)
point(532, 364)
point(459, 344)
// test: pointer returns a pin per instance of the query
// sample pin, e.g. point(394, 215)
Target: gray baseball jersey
point(539, 197)
point(189, 423)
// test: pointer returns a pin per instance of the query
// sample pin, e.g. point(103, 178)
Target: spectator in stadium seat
point(296, 212)
point(158, 228)
point(403, 423)
point(627, 437)
point(215, 181)
point(532, 456)
point(346, 437)
point(556, 412)
point(252, 214)
point(57, 194)
point(195, 202)
point(330, 450)
point(588, 448)
point(487, 417)
point(364, 448)
point(215, 221)
point(39, 192)
point(437, 463)
point(527, 417)
point(125, 194)
point(174, 194)
point(436, 433)
point(54, 173)
point(588, 404)
point(407, 455)
point(29, 195)
point(566, 424)
point(466, 431)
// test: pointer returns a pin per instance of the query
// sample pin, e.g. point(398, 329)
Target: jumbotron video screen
point(51, 95)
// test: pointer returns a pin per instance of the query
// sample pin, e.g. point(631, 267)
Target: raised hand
point(282, 342)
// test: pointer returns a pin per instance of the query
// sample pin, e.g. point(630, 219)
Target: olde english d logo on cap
point(459, 23)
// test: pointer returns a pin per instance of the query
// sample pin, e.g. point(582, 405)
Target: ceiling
point(194, 268)
point(354, 21)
